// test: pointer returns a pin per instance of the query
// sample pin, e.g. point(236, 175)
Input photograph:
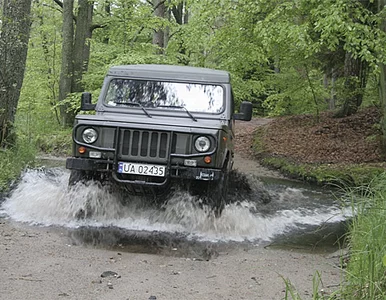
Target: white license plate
point(141, 169)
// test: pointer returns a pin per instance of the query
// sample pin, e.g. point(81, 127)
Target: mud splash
point(43, 198)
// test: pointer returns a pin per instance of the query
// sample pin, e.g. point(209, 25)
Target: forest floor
point(304, 139)
point(326, 141)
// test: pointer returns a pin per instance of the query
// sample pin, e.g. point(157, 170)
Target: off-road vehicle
point(156, 125)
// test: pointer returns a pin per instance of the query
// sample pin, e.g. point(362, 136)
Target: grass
point(13, 161)
point(35, 134)
point(317, 290)
point(365, 274)
point(46, 134)
point(336, 175)
point(57, 143)
point(366, 270)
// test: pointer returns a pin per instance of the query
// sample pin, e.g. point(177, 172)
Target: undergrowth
point(57, 143)
point(13, 161)
point(324, 174)
point(366, 271)
point(34, 135)
point(317, 290)
point(365, 274)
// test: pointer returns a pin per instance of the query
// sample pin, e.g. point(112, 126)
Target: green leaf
point(384, 260)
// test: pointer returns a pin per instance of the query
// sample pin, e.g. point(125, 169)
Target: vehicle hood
point(166, 123)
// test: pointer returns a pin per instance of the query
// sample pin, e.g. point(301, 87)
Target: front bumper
point(173, 171)
point(86, 164)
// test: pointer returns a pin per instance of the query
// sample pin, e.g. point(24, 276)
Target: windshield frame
point(162, 109)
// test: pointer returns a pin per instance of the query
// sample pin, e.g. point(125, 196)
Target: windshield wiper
point(136, 104)
point(182, 107)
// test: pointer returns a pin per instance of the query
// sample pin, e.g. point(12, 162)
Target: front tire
point(77, 176)
point(83, 177)
point(218, 194)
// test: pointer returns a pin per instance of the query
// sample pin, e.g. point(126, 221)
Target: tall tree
point(82, 43)
point(382, 78)
point(75, 51)
point(181, 15)
point(67, 56)
point(355, 73)
point(14, 36)
point(299, 34)
point(356, 68)
point(159, 34)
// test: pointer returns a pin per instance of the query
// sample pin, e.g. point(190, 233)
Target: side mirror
point(245, 113)
point(85, 102)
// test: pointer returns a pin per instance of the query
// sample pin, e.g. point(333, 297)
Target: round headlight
point(89, 135)
point(202, 144)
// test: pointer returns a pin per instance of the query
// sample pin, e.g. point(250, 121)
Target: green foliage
point(366, 268)
point(371, 95)
point(298, 96)
point(37, 117)
point(276, 51)
point(355, 25)
point(335, 175)
point(291, 292)
point(56, 143)
point(13, 161)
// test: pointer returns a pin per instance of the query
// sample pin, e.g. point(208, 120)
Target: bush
point(13, 161)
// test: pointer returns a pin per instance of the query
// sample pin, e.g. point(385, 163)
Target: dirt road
point(44, 263)
point(38, 263)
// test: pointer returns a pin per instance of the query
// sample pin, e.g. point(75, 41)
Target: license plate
point(141, 169)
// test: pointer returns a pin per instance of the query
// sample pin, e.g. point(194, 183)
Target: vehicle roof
point(171, 72)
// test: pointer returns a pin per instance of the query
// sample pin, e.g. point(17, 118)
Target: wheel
point(77, 176)
point(85, 176)
point(218, 193)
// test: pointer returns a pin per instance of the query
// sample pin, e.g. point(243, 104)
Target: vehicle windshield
point(193, 97)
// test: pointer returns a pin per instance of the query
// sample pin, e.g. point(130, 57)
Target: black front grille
point(140, 143)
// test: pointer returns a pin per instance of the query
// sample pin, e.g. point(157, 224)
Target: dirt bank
point(45, 263)
point(328, 140)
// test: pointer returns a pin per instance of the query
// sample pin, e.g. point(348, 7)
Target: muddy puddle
point(296, 216)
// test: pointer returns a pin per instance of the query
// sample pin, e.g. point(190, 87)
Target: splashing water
point(43, 198)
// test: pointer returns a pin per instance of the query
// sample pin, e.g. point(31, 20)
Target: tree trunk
point(75, 53)
point(14, 36)
point(329, 80)
point(355, 72)
point(167, 29)
point(81, 52)
point(382, 86)
point(178, 13)
point(382, 96)
point(181, 16)
point(332, 102)
point(107, 10)
point(158, 35)
point(67, 56)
